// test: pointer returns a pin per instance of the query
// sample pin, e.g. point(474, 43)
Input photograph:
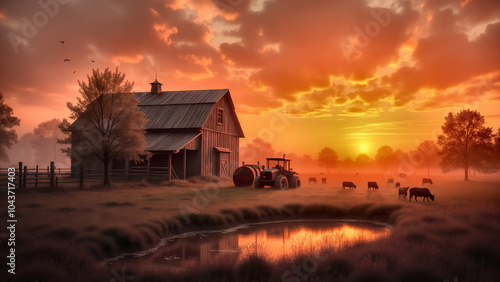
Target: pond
point(271, 239)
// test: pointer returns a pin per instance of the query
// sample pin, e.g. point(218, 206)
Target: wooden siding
point(229, 124)
point(195, 144)
point(209, 155)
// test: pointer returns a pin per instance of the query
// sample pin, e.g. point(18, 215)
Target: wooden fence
point(51, 177)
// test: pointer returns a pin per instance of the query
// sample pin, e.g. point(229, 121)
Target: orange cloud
point(117, 60)
point(164, 32)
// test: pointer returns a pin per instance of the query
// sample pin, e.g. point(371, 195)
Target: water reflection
point(272, 240)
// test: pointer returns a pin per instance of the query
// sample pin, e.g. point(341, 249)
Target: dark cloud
point(313, 56)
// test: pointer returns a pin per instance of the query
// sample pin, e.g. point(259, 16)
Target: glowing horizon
point(353, 76)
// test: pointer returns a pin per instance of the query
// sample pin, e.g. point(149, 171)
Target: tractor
point(278, 175)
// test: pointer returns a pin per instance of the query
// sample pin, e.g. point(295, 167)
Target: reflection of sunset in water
point(293, 241)
point(271, 240)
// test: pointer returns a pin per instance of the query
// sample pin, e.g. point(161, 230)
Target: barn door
point(223, 164)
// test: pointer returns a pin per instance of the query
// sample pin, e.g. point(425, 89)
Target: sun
point(364, 148)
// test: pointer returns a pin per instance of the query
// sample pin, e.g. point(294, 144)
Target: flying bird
point(66, 60)
point(92, 61)
point(62, 42)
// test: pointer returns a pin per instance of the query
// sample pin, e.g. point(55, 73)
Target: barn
point(190, 133)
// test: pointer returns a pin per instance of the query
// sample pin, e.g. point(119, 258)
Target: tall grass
point(426, 244)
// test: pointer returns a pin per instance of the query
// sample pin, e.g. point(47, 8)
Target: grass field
point(63, 235)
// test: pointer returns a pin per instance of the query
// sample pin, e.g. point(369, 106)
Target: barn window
point(220, 116)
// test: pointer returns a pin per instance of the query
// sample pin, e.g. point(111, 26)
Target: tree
point(497, 149)
point(362, 160)
point(327, 157)
point(429, 150)
point(385, 155)
point(464, 141)
point(257, 151)
point(8, 136)
point(107, 121)
point(45, 142)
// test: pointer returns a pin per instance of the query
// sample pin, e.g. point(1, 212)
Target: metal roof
point(180, 97)
point(176, 116)
point(172, 110)
point(169, 141)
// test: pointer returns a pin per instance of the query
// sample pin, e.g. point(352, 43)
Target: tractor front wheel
point(281, 182)
point(295, 182)
point(258, 184)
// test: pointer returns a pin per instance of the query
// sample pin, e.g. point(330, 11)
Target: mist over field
point(387, 111)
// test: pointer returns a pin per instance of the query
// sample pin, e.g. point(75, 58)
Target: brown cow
point(372, 185)
point(403, 192)
point(421, 192)
point(349, 185)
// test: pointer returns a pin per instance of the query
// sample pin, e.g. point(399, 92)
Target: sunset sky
point(351, 75)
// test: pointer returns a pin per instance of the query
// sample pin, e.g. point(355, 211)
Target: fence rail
point(52, 176)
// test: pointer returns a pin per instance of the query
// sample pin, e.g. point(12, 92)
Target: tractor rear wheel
point(281, 182)
point(295, 182)
point(258, 184)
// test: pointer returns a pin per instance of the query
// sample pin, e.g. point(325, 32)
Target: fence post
point(24, 176)
point(52, 168)
point(81, 176)
point(20, 174)
point(36, 176)
point(127, 168)
point(148, 168)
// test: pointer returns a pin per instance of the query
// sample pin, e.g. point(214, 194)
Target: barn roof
point(188, 109)
point(170, 111)
point(170, 141)
point(180, 97)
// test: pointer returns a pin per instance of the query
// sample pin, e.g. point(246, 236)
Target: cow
point(349, 185)
point(390, 182)
point(372, 185)
point(398, 185)
point(403, 175)
point(323, 180)
point(313, 180)
point(403, 192)
point(426, 181)
point(421, 192)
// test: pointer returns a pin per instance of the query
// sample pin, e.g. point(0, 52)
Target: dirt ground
point(95, 215)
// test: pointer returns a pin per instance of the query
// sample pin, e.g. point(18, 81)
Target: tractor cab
point(279, 174)
point(281, 164)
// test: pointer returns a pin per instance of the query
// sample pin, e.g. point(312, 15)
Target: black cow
point(313, 180)
point(372, 185)
point(426, 181)
point(349, 185)
point(398, 185)
point(421, 192)
point(323, 180)
point(403, 192)
point(390, 182)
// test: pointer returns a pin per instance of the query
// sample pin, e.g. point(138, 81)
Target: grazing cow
point(403, 175)
point(398, 185)
point(426, 181)
point(421, 192)
point(313, 180)
point(403, 192)
point(390, 181)
point(372, 185)
point(349, 185)
point(323, 180)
